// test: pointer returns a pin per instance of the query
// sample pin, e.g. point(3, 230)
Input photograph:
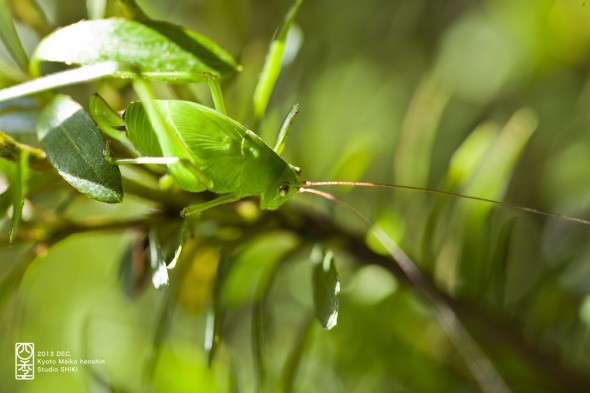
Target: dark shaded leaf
point(160, 50)
point(76, 148)
point(133, 266)
point(326, 287)
point(499, 263)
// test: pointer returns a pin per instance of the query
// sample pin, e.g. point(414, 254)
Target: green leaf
point(272, 64)
point(19, 191)
point(76, 148)
point(285, 128)
point(159, 50)
point(495, 167)
point(326, 287)
point(10, 37)
point(107, 119)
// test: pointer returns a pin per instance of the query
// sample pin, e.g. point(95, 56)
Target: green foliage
point(488, 99)
point(160, 50)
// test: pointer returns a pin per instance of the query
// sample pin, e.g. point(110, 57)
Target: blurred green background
point(489, 98)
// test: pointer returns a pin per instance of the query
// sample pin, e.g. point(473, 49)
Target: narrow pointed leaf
point(495, 167)
point(160, 50)
point(285, 128)
point(272, 65)
point(326, 287)
point(19, 191)
point(76, 148)
point(499, 264)
point(178, 246)
point(107, 119)
point(10, 37)
point(216, 313)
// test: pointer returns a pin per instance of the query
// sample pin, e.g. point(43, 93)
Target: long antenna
point(449, 193)
point(479, 365)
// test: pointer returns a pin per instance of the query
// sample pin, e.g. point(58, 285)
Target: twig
point(10, 150)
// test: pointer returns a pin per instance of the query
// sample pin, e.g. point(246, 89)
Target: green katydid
point(223, 156)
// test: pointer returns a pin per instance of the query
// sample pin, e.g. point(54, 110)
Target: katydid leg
point(196, 209)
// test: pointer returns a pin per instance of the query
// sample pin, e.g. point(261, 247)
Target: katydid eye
point(284, 189)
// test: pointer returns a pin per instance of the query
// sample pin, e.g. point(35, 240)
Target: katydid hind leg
point(198, 208)
point(145, 160)
point(161, 161)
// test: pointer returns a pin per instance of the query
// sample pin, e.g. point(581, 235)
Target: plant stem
point(11, 149)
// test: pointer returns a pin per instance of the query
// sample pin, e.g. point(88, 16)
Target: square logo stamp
point(24, 361)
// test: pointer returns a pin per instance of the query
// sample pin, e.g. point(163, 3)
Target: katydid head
point(282, 189)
